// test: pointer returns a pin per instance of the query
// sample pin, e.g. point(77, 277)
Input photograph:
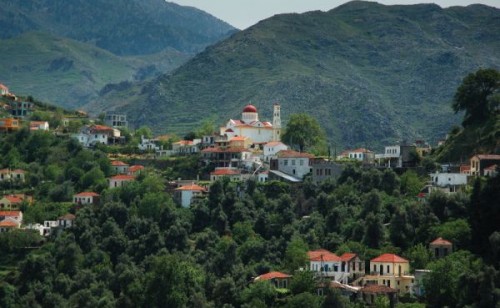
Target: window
point(301, 162)
point(293, 162)
point(388, 269)
point(286, 162)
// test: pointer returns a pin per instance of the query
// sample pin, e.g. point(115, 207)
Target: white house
point(231, 173)
point(451, 180)
point(186, 146)
point(327, 264)
point(149, 145)
point(16, 215)
point(263, 177)
point(39, 125)
point(66, 221)
point(3, 89)
point(120, 180)
point(8, 224)
point(184, 195)
point(86, 197)
point(96, 134)
point(271, 149)
point(359, 154)
point(14, 175)
point(119, 167)
point(294, 163)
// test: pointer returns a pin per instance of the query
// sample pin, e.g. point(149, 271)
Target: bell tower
point(277, 122)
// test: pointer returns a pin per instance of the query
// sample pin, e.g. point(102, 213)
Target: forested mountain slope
point(372, 74)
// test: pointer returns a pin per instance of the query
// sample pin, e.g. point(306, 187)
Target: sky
point(245, 13)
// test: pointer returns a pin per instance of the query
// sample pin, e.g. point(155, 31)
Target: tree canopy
point(304, 131)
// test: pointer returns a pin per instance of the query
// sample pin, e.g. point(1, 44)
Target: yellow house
point(392, 271)
point(9, 125)
point(240, 142)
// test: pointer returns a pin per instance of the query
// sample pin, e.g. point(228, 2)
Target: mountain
point(65, 52)
point(371, 74)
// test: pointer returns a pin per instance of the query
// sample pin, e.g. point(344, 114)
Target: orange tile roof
point(13, 199)
point(87, 194)
point(272, 275)
point(18, 171)
point(2, 86)
point(322, 255)
point(360, 150)
point(389, 258)
point(294, 154)
point(184, 142)
point(274, 143)
point(123, 177)
point(118, 163)
point(101, 128)
point(192, 187)
point(10, 213)
point(8, 224)
point(348, 256)
point(225, 171)
point(135, 168)
point(441, 241)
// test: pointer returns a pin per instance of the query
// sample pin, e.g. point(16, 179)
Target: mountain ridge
point(365, 70)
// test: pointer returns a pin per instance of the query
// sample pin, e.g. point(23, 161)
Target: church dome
point(250, 108)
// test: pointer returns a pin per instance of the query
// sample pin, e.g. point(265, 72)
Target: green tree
point(304, 131)
point(303, 281)
point(474, 95)
point(295, 254)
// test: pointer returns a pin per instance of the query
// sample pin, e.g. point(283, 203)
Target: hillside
point(124, 27)
point(69, 73)
point(371, 74)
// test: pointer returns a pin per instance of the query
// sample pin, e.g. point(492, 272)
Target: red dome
point(249, 108)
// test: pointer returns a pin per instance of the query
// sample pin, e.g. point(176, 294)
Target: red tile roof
point(135, 168)
point(87, 194)
point(348, 256)
point(225, 171)
point(272, 275)
point(389, 258)
point(10, 213)
point(192, 187)
point(8, 224)
point(491, 168)
point(123, 177)
point(239, 138)
point(488, 156)
point(274, 143)
point(118, 163)
point(249, 108)
point(322, 255)
point(228, 150)
point(441, 241)
point(100, 128)
point(377, 289)
point(294, 154)
point(13, 199)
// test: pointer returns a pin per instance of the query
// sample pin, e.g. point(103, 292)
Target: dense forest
point(137, 248)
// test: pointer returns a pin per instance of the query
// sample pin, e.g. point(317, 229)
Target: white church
point(250, 126)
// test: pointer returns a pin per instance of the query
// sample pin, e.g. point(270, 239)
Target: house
point(184, 147)
point(16, 216)
point(392, 271)
point(227, 157)
point(66, 221)
point(263, 176)
point(250, 126)
point(323, 169)
point(465, 169)
point(16, 175)
point(19, 109)
point(86, 197)
point(9, 202)
point(449, 180)
point(9, 125)
point(90, 135)
point(397, 156)
point(491, 170)
point(115, 119)
point(240, 142)
point(327, 264)
point(120, 180)
point(423, 148)
point(278, 279)
point(149, 145)
point(3, 89)
point(231, 173)
point(119, 167)
point(369, 293)
point(353, 265)
point(39, 125)
point(8, 224)
point(296, 164)
point(481, 161)
point(184, 195)
point(271, 149)
point(359, 154)
point(135, 170)
point(440, 247)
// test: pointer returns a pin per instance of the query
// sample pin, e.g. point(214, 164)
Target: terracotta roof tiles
point(441, 241)
point(272, 275)
point(389, 258)
point(322, 255)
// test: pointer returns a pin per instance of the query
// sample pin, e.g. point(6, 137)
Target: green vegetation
point(370, 74)
point(304, 131)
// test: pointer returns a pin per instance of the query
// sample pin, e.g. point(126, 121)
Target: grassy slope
point(371, 74)
point(67, 72)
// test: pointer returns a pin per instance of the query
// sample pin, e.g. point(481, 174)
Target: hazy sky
point(244, 13)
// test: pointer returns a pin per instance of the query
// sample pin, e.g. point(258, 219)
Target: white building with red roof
point(3, 89)
point(327, 264)
point(296, 164)
point(271, 149)
point(359, 154)
point(39, 125)
point(278, 279)
point(66, 221)
point(90, 135)
point(441, 247)
point(86, 197)
point(10, 220)
point(250, 126)
point(482, 161)
point(119, 167)
point(184, 195)
point(135, 170)
point(183, 147)
point(231, 173)
point(353, 265)
point(392, 271)
point(12, 175)
point(9, 202)
point(120, 180)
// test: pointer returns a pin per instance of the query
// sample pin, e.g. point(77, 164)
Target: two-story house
point(86, 197)
point(481, 161)
point(271, 149)
point(119, 167)
point(327, 264)
point(296, 164)
point(185, 195)
point(278, 279)
point(392, 271)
